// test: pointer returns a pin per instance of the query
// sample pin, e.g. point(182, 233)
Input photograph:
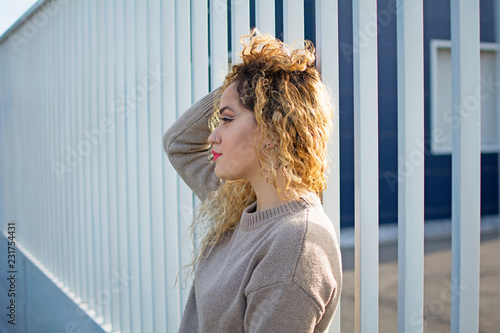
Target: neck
point(267, 195)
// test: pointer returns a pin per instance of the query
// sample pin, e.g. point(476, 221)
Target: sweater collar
point(250, 219)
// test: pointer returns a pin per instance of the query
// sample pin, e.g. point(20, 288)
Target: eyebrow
point(221, 110)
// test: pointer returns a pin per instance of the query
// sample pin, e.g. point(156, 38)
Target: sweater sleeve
point(189, 322)
point(185, 143)
point(282, 307)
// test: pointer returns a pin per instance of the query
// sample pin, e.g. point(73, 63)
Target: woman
point(269, 260)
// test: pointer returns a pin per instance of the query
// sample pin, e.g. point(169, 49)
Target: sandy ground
point(437, 287)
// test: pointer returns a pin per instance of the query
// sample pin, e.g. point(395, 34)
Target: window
point(441, 105)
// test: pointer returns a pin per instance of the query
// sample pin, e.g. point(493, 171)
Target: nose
point(212, 138)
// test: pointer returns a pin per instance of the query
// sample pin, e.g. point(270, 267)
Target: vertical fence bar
point(91, 180)
point(328, 64)
point(111, 294)
point(48, 259)
point(61, 142)
point(98, 156)
point(39, 157)
point(121, 110)
point(84, 172)
point(240, 25)
point(98, 133)
point(171, 201)
point(66, 114)
point(293, 21)
point(89, 255)
point(199, 47)
point(28, 131)
point(43, 138)
point(496, 19)
point(183, 102)
point(366, 165)
point(264, 16)
point(40, 147)
point(78, 102)
point(3, 139)
point(410, 39)
point(156, 76)
point(218, 42)
point(131, 152)
point(466, 165)
point(143, 87)
point(24, 210)
point(56, 136)
point(54, 253)
point(68, 179)
point(71, 109)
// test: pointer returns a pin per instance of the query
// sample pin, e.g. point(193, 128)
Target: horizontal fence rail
point(88, 87)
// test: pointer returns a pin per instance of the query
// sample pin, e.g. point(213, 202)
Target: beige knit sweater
point(278, 271)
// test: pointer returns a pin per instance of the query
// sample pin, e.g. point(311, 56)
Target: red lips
point(216, 154)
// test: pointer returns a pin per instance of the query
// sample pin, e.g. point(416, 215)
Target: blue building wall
point(437, 167)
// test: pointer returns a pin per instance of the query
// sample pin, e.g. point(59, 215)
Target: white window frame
point(438, 148)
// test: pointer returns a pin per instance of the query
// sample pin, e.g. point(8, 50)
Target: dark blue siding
point(437, 168)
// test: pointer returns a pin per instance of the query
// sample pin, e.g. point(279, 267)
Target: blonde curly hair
point(293, 110)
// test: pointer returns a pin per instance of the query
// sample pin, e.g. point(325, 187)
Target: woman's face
point(234, 150)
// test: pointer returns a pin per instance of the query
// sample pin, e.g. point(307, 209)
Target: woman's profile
point(269, 260)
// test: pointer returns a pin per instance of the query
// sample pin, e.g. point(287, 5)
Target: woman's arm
point(185, 143)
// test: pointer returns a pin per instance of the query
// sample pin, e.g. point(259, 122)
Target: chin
point(226, 176)
point(221, 175)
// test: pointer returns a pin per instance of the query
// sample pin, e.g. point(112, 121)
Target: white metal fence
point(87, 89)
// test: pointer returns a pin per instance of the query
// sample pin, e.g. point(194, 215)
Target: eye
point(225, 119)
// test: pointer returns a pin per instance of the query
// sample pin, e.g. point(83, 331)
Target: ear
point(268, 144)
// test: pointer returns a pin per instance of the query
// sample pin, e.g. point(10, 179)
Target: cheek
point(245, 146)
point(242, 158)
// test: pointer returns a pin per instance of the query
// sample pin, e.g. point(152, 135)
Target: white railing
point(87, 89)
point(410, 39)
point(365, 164)
point(466, 165)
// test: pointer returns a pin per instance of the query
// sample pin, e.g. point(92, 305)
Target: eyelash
point(225, 119)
